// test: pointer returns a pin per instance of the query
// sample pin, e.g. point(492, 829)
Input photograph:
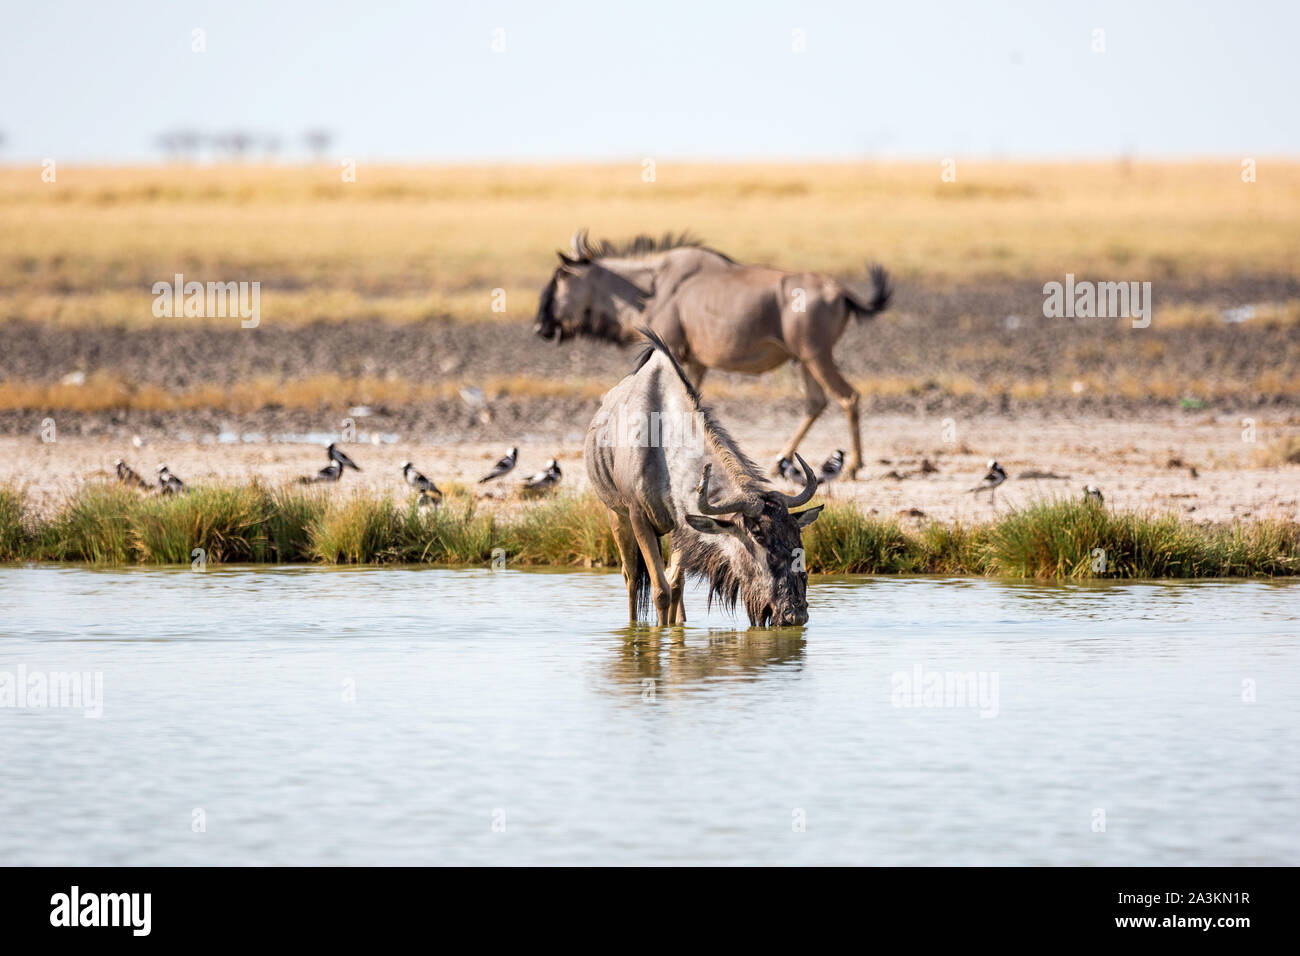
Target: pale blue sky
point(96, 80)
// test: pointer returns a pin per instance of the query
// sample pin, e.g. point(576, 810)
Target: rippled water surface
point(424, 716)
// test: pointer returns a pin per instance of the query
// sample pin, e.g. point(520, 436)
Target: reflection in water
point(378, 716)
point(676, 659)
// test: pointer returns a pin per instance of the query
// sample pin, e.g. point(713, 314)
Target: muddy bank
point(1199, 466)
point(450, 421)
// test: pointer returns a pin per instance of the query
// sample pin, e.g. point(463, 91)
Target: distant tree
point(179, 143)
point(168, 143)
point(234, 143)
point(239, 142)
point(318, 141)
point(189, 142)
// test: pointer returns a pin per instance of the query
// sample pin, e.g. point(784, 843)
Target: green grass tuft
point(566, 531)
point(846, 541)
point(1075, 539)
point(224, 522)
point(111, 524)
point(94, 525)
point(356, 530)
point(15, 527)
point(285, 532)
point(452, 534)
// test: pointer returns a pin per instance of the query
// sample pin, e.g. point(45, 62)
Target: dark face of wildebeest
point(548, 326)
point(767, 572)
point(566, 304)
point(584, 298)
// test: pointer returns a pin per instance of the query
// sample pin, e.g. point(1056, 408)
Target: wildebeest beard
point(546, 325)
point(733, 581)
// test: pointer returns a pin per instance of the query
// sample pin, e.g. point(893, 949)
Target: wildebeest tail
point(879, 300)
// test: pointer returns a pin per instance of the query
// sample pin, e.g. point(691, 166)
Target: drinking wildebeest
point(713, 313)
point(676, 471)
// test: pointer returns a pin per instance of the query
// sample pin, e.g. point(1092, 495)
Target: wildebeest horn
point(809, 487)
point(745, 504)
point(579, 245)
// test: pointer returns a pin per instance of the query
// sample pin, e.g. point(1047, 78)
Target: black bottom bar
point(927, 905)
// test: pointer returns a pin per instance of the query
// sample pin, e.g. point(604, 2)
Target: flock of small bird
point(829, 471)
point(168, 484)
point(544, 480)
point(334, 470)
point(997, 474)
point(429, 493)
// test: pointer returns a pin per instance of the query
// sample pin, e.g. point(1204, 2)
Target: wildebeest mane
point(740, 468)
point(644, 245)
point(657, 344)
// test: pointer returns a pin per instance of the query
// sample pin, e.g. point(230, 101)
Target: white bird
point(544, 480)
point(343, 460)
point(428, 490)
point(169, 484)
point(1092, 494)
point(832, 467)
point(126, 474)
point(502, 467)
point(996, 475)
point(330, 472)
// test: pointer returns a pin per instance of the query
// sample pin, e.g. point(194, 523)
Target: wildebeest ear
point(706, 525)
point(805, 518)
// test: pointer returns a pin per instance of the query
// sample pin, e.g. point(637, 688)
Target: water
point(426, 716)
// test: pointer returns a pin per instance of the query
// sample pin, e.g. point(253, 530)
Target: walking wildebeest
point(663, 465)
point(713, 313)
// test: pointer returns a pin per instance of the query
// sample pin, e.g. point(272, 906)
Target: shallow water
point(426, 716)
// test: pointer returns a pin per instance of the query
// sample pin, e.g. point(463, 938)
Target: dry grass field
point(403, 244)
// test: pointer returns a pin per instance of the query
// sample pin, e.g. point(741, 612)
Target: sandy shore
point(1198, 467)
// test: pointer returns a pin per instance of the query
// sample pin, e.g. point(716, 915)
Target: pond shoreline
point(106, 524)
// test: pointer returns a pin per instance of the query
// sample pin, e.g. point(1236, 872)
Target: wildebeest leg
point(627, 554)
point(676, 575)
point(814, 405)
point(824, 370)
point(648, 539)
